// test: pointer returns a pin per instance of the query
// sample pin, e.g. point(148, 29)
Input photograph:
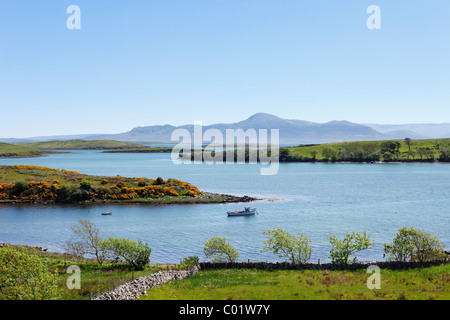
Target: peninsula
point(40, 185)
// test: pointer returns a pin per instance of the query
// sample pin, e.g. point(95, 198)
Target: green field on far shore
point(18, 151)
point(82, 145)
point(362, 151)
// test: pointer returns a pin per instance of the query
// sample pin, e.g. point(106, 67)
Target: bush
point(413, 245)
point(190, 262)
point(24, 276)
point(80, 195)
point(19, 187)
point(159, 181)
point(120, 184)
point(283, 244)
point(141, 183)
point(352, 243)
point(136, 253)
point(220, 250)
point(63, 194)
point(85, 185)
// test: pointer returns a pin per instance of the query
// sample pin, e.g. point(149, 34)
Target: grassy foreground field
point(251, 284)
point(430, 283)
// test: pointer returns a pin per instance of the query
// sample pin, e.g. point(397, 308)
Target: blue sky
point(137, 63)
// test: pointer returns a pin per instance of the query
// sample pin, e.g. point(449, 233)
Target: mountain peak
point(261, 116)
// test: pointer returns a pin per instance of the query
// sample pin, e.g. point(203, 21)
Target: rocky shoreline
point(205, 198)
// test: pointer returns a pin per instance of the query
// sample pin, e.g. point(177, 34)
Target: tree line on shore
point(406, 150)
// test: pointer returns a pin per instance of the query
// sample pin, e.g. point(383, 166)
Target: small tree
point(87, 239)
point(190, 262)
point(284, 154)
point(85, 185)
point(64, 194)
point(408, 142)
point(413, 245)
point(329, 153)
point(25, 276)
point(136, 253)
point(352, 243)
point(283, 244)
point(220, 250)
point(19, 187)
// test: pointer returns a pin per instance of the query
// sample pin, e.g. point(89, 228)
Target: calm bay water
point(316, 199)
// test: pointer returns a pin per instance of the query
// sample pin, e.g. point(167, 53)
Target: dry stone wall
point(134, 289)
point(395, 265)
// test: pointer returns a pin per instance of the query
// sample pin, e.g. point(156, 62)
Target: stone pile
point(138, 287)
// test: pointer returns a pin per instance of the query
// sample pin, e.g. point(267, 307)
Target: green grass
point(251, 284)
point(12, 174)
point(38, 149)
point(141, 150)
point(421, 149)
point(95, 278)
point(431, 283)
point(82, 145)
point(18, 151)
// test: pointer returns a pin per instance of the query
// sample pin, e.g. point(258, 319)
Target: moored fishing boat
point(246, 212)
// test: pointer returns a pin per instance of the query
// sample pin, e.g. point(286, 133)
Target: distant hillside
point(291, 131)
point(415, 131)
point(17, 151)
point(82, 145)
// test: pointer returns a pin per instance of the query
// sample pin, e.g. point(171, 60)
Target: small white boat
point(246, 212)
point(107, 213)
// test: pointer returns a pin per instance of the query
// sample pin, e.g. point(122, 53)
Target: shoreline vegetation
point(386, 151)
point(25, 184)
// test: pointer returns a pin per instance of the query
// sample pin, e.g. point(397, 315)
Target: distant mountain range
point(291, 131)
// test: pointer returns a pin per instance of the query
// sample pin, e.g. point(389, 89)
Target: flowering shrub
point(120, 184)
point(38, 190)
point(76, 189)
point(6, 190)
point(28, 167)
point(141, 183)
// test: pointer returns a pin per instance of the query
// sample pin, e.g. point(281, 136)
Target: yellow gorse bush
point(29, 167)
point(138, 188)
